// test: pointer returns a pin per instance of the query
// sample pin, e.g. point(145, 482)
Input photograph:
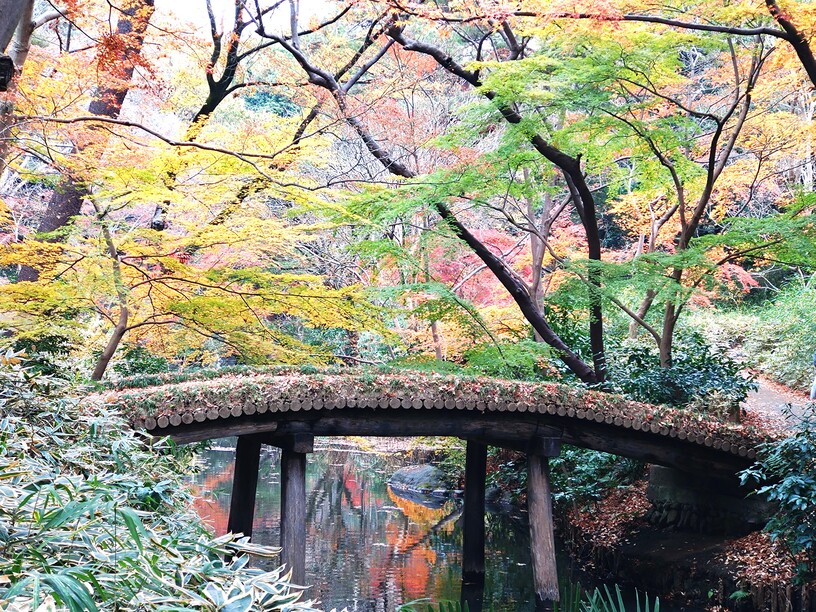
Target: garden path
point(770, 399)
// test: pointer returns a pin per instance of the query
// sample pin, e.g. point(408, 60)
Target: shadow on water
point(369, 549)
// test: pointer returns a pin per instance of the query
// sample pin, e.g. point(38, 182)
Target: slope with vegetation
point(95, 516)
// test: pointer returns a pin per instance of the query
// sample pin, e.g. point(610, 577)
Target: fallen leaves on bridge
point(184, 401)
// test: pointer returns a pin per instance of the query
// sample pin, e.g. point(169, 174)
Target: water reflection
point(368, 548)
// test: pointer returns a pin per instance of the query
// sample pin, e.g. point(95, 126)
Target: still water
point(368, 549)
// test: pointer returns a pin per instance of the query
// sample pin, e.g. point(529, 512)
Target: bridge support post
point(539, 506)
point(473, 547)
point(244, 485)
point(293, 505)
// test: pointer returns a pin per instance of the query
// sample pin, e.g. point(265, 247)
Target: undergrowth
point(94, 516)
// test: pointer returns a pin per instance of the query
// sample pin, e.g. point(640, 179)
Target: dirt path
point(770, 400)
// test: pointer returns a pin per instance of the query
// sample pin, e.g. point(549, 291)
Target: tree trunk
point(521, 296)
point(11, 11)
point(643, 310)
point(113, 344)
point(21, 43)
point(666, 338)
point(66, 200)
point(65, 203)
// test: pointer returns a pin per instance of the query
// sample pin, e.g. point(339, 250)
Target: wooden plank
point(293, 514)
point(208, 430)
point(244, 485)
point(473, 535)
point(542, 538)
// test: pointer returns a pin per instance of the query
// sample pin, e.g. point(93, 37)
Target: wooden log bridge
point(287, 408)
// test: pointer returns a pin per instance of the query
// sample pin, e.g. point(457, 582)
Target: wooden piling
point(244, 485)
point(472, 597)
point(473, 547)
point(539, 505)
point(293, 514)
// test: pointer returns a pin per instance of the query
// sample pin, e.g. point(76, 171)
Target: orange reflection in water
point(408, 562)
point(212, 511)
point(409, 546)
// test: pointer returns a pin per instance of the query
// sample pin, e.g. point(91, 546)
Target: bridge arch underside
point(518, 431)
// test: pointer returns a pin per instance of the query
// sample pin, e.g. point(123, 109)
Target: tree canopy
point(363, 181)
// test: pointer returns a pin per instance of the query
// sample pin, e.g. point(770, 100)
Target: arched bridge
point(287, 408)
point(509, 414)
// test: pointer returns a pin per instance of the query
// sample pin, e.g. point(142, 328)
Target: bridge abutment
point(704, 504)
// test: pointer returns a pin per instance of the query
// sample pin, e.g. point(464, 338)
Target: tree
point(340, 90)
point(11, 12)
point(117, 59)
point(208, 283)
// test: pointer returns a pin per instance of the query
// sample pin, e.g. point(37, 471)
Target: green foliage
point(525, 360)
point(44, 352)
point(278, 104)
point(778, 339)
point(138, 360)
point(507, 470)
point(572, 594)
point(605, 601)
point(95, 516)
point(697, 373)
point(580, 475)
point(787, 471)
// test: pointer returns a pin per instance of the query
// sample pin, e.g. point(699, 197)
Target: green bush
point(787, 472)
point(525, 360)
point(580, 475)
point(697, 373)
point(94, 515)
point(777, 339)
point(136, 360)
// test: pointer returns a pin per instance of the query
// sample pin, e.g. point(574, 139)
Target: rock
point(493, 494)
point(418, 479)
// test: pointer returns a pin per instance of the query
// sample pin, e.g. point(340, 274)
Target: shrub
point(697, 374)
point(525, 360)
point(787, 471)
point(777, 339)
point(138, 360)
point(578, 475)
point(94, 515)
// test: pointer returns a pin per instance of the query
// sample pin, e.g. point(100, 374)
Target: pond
point(367, 548)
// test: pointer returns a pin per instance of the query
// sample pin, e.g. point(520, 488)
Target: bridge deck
point(503, 413)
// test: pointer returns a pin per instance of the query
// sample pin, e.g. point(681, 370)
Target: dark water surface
point(367, 548)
